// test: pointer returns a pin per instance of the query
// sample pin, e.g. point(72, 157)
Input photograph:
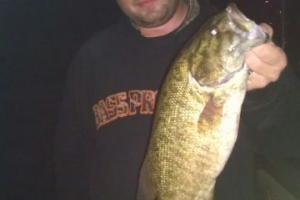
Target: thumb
point(267, 29)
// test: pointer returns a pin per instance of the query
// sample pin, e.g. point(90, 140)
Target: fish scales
point(196, 121)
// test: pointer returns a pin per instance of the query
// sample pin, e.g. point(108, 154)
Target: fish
point(197, 115)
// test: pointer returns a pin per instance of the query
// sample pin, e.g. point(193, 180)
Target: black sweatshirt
point(108, 109)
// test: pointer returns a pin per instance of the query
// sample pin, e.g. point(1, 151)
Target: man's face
point(148, 13)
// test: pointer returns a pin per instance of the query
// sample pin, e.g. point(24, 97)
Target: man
point(111, 92)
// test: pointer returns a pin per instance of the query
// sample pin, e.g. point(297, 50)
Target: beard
point(155, 15)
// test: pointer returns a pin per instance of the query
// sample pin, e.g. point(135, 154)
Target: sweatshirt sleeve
point(271, 115)
point(71, 140)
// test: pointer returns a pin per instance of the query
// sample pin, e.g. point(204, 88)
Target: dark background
point(37, 41)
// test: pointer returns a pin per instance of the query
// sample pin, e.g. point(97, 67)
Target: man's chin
point(152, 22)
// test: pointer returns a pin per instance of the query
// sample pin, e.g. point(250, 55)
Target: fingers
point(267, 61)
point(256, 81)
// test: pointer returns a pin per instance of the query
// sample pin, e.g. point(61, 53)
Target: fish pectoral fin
point(210, 117)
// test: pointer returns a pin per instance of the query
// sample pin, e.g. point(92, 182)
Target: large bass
point(198, 110)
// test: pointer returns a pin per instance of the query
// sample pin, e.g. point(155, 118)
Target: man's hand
point(266, 62)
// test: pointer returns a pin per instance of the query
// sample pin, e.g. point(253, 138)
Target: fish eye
point(214, 31)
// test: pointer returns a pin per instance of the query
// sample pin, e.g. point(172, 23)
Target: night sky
point(37, 41)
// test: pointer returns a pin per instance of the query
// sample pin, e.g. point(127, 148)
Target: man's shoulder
point(106, 37)
point(101, 47)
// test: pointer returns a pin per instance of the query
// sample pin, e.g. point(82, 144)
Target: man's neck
point(175, 22)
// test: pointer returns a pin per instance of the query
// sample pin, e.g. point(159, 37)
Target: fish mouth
point(237, 18)
point(235, 13)
point(243, 26)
